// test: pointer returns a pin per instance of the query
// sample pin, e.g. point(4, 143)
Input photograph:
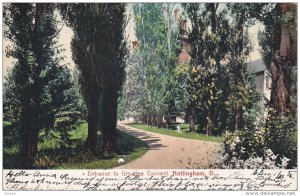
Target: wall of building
point(267, 85)
point(260, 81)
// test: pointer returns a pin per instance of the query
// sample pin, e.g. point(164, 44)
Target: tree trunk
point(280, 67)
point(208, 125)
point(109, 132)
point(279, 92)
point(92, 123)
point(239, 118)
point(30, 114)
point(213, 10)
point(29, 135)
point(192, 118)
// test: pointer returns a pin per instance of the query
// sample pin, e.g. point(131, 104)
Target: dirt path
point(168, 152)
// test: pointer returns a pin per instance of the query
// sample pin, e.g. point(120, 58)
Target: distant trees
point(37, 88)
point(212, 94)
point(99, 52)
point(150, 86)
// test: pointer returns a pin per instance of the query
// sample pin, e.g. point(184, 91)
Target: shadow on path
point(154, 143)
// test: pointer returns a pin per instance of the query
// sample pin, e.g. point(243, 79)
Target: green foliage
point(243, 94)
point(202, 75)
point(121, 106)
point(151, 86)
point(81, 158)
point(37, 86)
point(275, 145)
point(219, 91)
point(58, 97)
point(10, 138)
point(267, 38)
point(281, 126)
point(281, 135)
point(244, 143)
point(99, 51)
point(248, 150)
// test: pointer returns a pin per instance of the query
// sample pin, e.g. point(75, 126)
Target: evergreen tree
point(215, 88)
point(99, 52)
point(37, 84)
point(243, 95)
point(204, 65)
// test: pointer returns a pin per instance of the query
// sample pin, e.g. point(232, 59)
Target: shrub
point(44, 162)
point(281, 135)
point(245, 150)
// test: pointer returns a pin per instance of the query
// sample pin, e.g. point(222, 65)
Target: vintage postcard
point(160, 96)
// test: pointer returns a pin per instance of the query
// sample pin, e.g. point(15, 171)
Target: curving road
point(168, 152)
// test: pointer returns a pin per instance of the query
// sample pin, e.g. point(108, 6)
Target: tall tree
point(279, 50)
point(84, 54)
point(278, 41)
point(217, 37)
point(150, 84)
point(205, 57)
point(243, 93)
point(36, 83)
point(99, 52)
point(113, 61)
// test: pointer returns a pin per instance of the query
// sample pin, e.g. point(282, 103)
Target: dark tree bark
point(92, 122)
point(239, 112)
point(213, 9)
point(192, 118)
point(109, 132)
point(239, 118)
point(279, 92)
point(30, 117)
point(29, 139)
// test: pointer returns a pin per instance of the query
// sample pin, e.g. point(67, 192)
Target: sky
point(253, 31)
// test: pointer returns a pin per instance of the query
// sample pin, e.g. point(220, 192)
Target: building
point(263, 79)
point(184, 56)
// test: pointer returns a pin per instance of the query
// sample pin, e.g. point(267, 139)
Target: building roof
point(257, 66)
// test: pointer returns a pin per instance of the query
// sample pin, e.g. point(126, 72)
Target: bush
point(249, 141)
point(44, 162)
point(249, 152)
point(281, 136)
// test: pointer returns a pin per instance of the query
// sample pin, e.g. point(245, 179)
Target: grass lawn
point(55, 155)
point(185, 133)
